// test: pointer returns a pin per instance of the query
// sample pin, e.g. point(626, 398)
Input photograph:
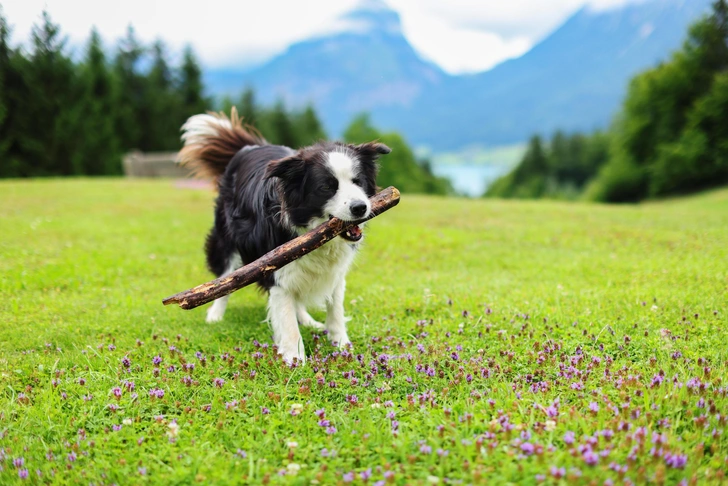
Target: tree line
point(671, 136)
point(61, 116)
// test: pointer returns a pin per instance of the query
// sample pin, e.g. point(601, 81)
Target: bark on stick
point(278, 257)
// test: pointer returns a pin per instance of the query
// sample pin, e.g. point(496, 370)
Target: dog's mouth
point(352, 234)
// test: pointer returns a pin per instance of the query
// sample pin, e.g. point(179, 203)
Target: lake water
point(470, 179)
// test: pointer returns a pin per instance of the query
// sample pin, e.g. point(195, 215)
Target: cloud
point(459, 49)
point(459, 35)
point(221, 32)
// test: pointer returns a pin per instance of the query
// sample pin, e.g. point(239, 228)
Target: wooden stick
point(278, 257)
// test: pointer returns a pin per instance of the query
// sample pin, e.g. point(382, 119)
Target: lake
point(470, 179)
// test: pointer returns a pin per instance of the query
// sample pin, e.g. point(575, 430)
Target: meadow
point(496, 342)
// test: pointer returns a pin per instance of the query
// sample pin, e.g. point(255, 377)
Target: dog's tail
point(211, 140)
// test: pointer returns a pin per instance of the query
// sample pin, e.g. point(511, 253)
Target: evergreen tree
point(530, 177)
point(248, 108)
point(309, 127)
point(54, 93)
point(5, 55)
point(191, 90)
point(161, 126)
point(361, 130)
point(129, 89)
point(98, 150)
point(282, 131)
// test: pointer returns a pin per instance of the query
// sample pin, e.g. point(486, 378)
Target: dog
point(270, 194)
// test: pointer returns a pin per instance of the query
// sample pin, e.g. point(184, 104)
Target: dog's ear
point(372, 149)
point(285, 168)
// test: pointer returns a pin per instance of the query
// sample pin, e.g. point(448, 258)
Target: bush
point(400, 168)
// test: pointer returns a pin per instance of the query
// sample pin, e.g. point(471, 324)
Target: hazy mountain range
point(574, 79)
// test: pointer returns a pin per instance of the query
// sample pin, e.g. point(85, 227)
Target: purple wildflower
point(676, 461)
point(527, 448)
point(590, 458)
point(569, 437)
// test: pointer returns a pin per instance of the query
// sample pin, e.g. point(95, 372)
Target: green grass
point(514, 305)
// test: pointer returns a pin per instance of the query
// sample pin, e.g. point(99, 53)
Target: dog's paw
point(216, 311)
point(293, 353)
point(214, 315)
point(290, 358)
point(340, 341)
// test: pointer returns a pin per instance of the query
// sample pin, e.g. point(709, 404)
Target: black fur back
point(248, 211)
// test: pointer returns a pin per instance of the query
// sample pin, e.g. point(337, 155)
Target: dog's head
point(328, 179)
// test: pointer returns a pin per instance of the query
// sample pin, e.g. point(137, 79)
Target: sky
point(459, 35)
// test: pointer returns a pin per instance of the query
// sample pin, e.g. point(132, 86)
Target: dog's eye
point(357, 181)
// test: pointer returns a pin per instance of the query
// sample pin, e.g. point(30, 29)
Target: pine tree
point(129, 92)
point(161, 121)
point(5, 54)
point(282, 129)
point(191, 90)
point(98, 151)
point(52, 105)
point(309, 127)
point(361, 130)
point(248, 107)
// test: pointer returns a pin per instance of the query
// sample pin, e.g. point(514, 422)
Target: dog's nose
point(358, 208)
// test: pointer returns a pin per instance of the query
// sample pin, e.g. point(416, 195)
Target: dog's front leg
point(282, 317)
point(335, 319)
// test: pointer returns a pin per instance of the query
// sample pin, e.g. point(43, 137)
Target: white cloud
point(221, 32)
point(459, 49)
point(459, 35)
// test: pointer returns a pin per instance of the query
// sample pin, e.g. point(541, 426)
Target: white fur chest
point(312, 278)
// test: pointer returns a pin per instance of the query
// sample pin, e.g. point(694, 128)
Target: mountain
point(574, 79)
point(367, 63)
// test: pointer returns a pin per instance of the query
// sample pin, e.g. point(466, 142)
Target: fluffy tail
point(211, 140)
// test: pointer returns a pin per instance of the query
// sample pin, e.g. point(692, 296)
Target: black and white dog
point(268, 195)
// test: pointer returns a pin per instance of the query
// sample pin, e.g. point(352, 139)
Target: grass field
point(498, 342)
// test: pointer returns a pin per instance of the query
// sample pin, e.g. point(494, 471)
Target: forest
point(62, 116)
point(670, 137)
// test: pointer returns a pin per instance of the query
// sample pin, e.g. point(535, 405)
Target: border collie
point(268, 195)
